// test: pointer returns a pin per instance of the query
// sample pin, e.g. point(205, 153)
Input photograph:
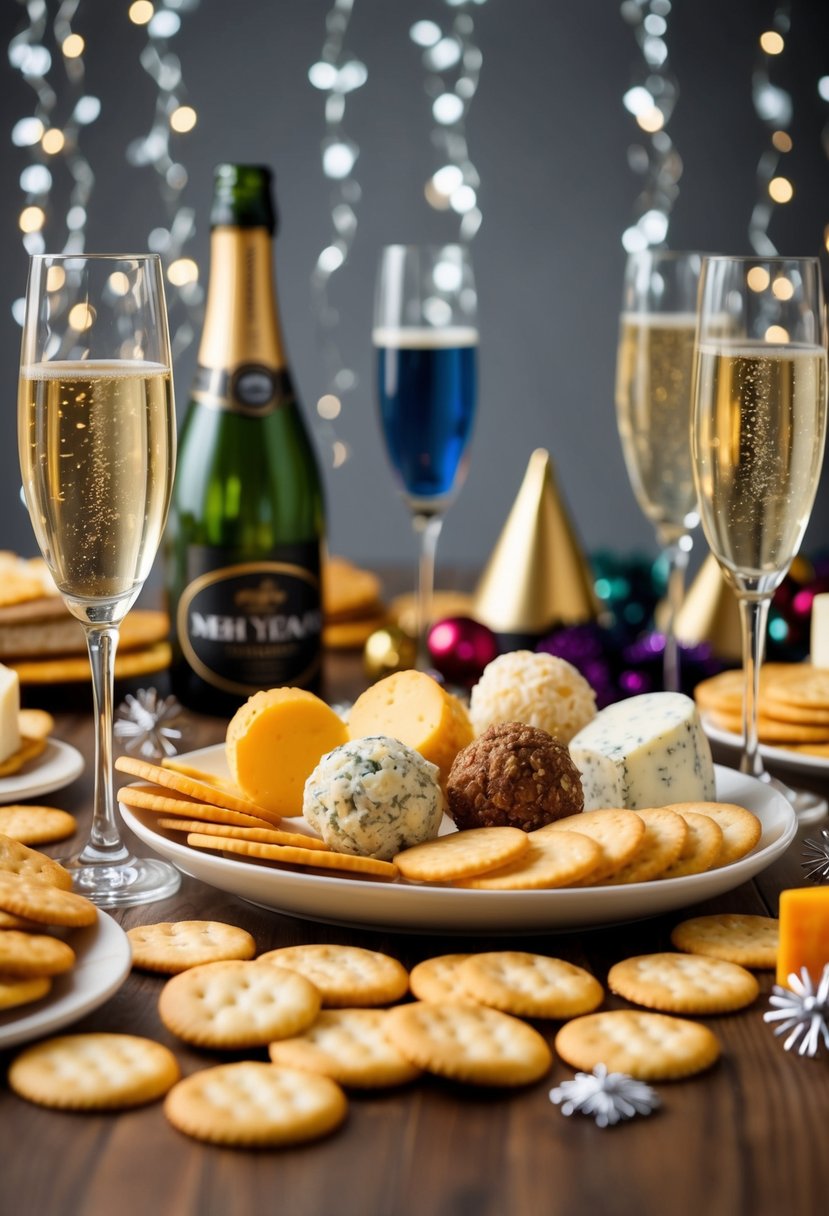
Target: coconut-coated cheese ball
point(374, 797)
point(513, 775)
point(539, 689)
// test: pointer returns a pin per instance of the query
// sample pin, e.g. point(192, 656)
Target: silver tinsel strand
point(803, 1010)
point(816, 857)
point(146, 724)
point(608, 1096)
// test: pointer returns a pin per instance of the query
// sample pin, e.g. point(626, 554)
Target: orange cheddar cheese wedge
point(804, 933)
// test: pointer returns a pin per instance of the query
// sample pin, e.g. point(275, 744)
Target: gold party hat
point(709, 613)
point(537, 576)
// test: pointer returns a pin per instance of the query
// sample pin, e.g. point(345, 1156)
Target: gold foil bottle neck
point(241, 322)
point(537, 576)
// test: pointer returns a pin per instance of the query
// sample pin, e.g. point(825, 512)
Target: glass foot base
point(135, 880)
point(808, 807)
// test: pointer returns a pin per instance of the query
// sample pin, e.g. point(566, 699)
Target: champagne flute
point(96, 433)
point(426, 337)
point(757, 438)
point(653, 410)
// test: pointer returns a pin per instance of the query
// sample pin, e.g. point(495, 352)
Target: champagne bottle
point(247, 519)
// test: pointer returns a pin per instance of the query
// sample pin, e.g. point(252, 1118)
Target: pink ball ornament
point(460, 649)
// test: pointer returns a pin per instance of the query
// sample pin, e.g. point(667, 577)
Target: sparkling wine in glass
point(96, 433)
point(653, 409)
point(426, 338)
point(758, 432)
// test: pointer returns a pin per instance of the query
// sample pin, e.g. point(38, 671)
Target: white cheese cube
point(9, 713)
point(820, 631)
point(600, 779)
point(658, 746)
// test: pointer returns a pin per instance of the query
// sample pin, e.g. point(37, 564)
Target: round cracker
point(741, 829)
point(802, 685)
point(647, 1046)
point(29, 749)
point(530, 985)
point(173, 946)
point(18, 858)
point(751, 941)
point(469, 1042)
point(345, 975)
point(35, 723)
point(683, 983)
point(702, 849)
point(33, 954)
point(255, 1105)
point(47, 905)
point(555, 860)
point(75, 670)
point(436, 979)
point(94, 1072)
point(462, 854)
point(619, 833)
point(664, 840)
point(350, 1046)
point(22, 990)
point(36, 824)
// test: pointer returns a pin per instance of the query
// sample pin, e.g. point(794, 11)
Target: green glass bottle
point(247, 520)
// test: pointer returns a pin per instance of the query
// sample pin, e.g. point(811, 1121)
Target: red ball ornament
point(460, 649)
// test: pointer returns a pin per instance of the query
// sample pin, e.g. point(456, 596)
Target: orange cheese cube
point(804, 932)
point(274, 742)
point(414, 708)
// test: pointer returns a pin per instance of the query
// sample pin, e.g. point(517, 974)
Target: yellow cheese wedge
point(804, 933)
point(9, 712)
point(274, 742)
point(412, 707)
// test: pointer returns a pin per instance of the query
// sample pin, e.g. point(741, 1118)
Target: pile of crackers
point(335, 1019)
point(793, 706)
point(352, 601)
point(602, 847)
point(44, 644)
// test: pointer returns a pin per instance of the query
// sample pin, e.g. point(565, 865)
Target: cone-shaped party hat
point(537, 576)
point(709, 613)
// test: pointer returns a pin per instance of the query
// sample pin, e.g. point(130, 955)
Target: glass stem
point(427, 528)
point(677, 559)
point(105, 844)
point(754, 615)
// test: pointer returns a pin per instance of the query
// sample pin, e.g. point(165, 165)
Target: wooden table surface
point(748, 1138)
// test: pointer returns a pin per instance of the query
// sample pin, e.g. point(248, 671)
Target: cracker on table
point(461, 854)
point(647, 1046)
point(18, 858)
point(173, 946)
point(36, 824)
point(530, 985)
point(263, 835)
point(555, 860)
point(469, 1042)
point(213, 795)
point(255, 1105)
point(702, 849)
point(350, 1046)
point(286, 854)
point(47, 905)
point(235, 1004)
point(741, 829)
point(683, 983)
point(33, 954)
point(436, 979)
point(619, 832)
point(664, 840)
point(94, 1071)
point(751, 941)
point(345, 975)
point(149, 798)
point(22, 990)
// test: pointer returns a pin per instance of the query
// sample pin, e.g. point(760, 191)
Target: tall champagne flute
point(96, 433)
point(653, 410)
point(426, 337)
point(757, 437)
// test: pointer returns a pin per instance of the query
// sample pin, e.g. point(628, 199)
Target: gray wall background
point(549, 136)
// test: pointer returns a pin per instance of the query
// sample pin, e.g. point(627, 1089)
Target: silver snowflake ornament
point(608, 1096)
point(816, 857)
point(146, 724)
point(803, 1010)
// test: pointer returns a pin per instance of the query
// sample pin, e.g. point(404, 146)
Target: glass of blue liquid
point(426, 337)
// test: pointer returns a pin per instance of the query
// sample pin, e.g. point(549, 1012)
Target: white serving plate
point(102, 964)
point(409, 906)
point(54, 768)
point(815, 766)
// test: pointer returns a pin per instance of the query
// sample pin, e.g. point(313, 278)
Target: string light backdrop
point(51, 133)
point(773, 106)
point(651, 98)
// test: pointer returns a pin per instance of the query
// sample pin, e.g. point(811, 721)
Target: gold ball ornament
point(388, 650)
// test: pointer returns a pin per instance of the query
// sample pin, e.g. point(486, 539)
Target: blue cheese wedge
point(601, 781)
point(658, 746)
point(374, 797)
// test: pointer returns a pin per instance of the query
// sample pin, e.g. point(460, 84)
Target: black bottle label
point(243, 626)
point(251, 389)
